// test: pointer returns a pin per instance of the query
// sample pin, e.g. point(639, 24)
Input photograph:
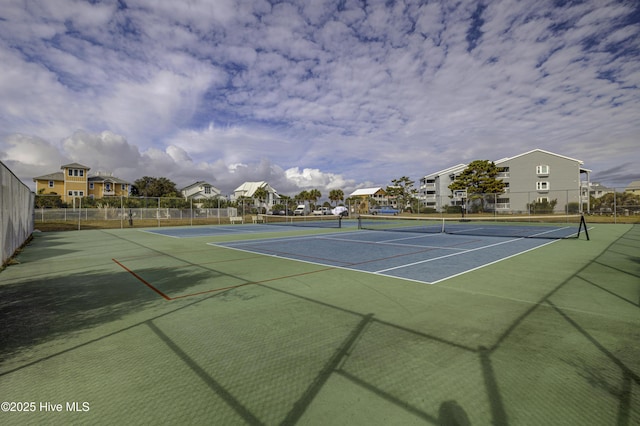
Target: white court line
point(389, 243)
point(491, 263)
point(209, 234)
point(447, 255)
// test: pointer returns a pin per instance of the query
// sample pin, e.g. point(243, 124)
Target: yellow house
point(74, 182)
point(368, 197)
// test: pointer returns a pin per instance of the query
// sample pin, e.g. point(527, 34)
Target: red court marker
point(142, 280)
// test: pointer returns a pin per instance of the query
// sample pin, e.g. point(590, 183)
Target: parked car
point(383, 210)
point(321, 211)
point(301, 210)
point(340, 211)
point(281, 212)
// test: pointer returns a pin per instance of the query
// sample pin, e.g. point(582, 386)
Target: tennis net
point(552, 227)
point(325, 221)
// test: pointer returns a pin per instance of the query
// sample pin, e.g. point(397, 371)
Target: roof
point(101, 178)
point(59, 176)
point(249, 188)
point(448, 170)
point(199, 183)
point(502, 160)
point(365, 192)
point(75, 166)
point(633, 186)
point(50, 176)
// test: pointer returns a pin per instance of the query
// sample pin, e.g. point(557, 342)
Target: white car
point(321, 211)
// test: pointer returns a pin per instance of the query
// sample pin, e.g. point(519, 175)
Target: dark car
point(383, 210)
point(281, 212)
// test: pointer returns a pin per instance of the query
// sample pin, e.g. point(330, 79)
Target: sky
point(316, 94)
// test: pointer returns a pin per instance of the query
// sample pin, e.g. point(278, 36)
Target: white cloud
point(315, 178)
point(366, 93)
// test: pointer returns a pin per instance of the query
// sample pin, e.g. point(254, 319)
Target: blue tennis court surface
point(427, 258)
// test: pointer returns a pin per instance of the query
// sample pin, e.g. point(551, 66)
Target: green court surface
point(132, 327)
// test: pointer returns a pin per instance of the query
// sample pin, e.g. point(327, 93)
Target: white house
point(200, 191)
point(248, 189)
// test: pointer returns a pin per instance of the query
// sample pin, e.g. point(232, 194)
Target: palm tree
point(336, 195)
point(285, 200)
point(302, 197)
point(314, 195)
point(261, 194)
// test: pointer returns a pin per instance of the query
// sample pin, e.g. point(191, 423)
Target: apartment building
point(74, 182)
point(434, 189)
point(533, 177)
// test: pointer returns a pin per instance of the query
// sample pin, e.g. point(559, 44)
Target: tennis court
point(260, 324)
point(414, 256)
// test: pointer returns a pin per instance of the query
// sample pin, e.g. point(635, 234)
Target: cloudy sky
point(316, 94)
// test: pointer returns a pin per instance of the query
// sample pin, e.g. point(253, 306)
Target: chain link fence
point(16, 213)
point(620, 204)
point(614, 202)
point(612, 205)
point(129, 212)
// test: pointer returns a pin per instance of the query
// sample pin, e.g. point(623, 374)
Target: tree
point(608, 203)
point(243, 203)
point(336, 195)
point(403, 191)
point(542, 206)
point(51, 200)
point(286, 200)
point(314, 195)
point(302, 197)
point(155, 187)
point(477, 179)
point(261, 194)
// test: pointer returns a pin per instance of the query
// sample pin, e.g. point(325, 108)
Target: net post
point(340, 222)
point(359, 222)
point(583, 223)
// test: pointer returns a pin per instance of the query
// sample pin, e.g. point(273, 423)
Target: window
point(123, 187)
point(70, 194)
point(90, 185)
point(70, 172)
point(503, 203)
point(542, 200)
point(542, 186)
point(51, 184)
point(107, 187)
point(542, 170)
point(503, 172)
